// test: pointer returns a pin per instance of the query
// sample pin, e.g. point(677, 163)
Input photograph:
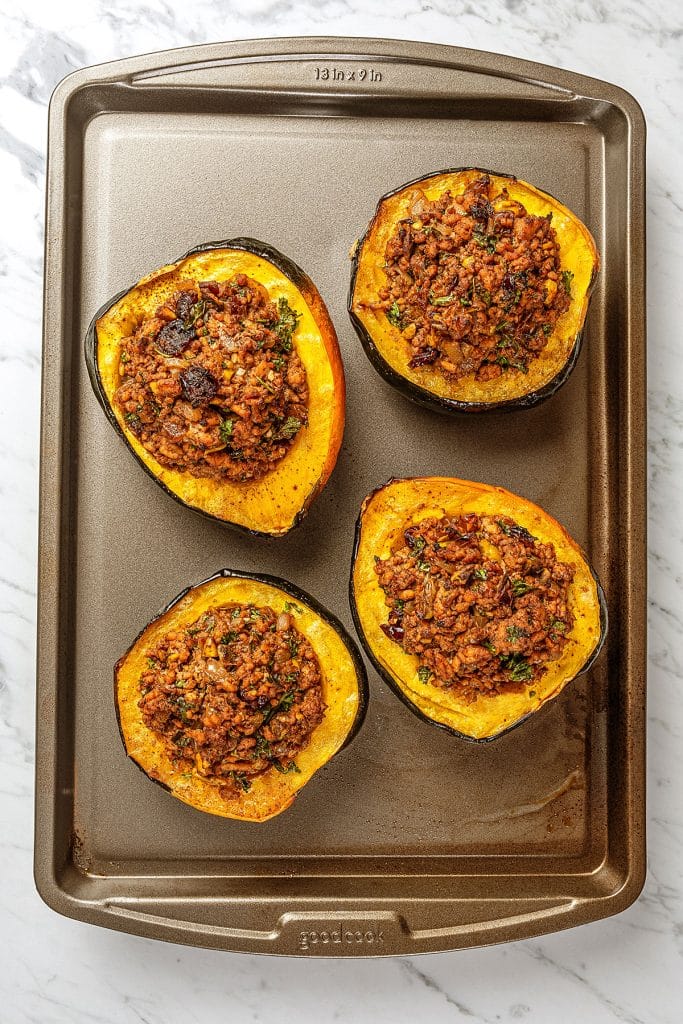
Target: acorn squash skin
point(417, 498)
point(382, 337)
point(326, 400)
point(345, 691)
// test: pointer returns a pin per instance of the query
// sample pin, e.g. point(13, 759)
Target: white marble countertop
point(58, 971)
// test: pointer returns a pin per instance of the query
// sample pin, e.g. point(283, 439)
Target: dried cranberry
point(184, 304)
point(481, 210)
point(425, 356)
point(199, 385)
point(174, 337)
point(393, 631)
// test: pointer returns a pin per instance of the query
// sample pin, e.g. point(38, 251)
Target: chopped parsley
point(284, 704)
point(480, 573)
point(519, 588)
point(547, 329)
point(424, 674)
point(395, 316)
point(291, 767)
point(291, 607)
point(513, 530)
point(286, 323)
point(487, 242)
point(567, 278)
point(519, 668)
point(514, 633)
point(241, 779)
point(225, 430)
point(289, 428)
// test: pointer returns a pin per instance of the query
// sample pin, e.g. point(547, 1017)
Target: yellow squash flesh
point(343, 684)
point(384, 516)
point(275, 503)
point(391, 353)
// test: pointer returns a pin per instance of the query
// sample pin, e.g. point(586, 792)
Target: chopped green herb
point(124, 357)
point(487, 242)
point(225, 430)
point(152, 663)
point(228, 638)
point(399, 605)
point(514, 633)
point(291, 607)
point(254, 614)
point(519, 668)
point(483, 294)
point(513, 530)
point(418, 546)
point(547, 329)
point(424, 674)
point(293, 646)
point(279, 363)
point(291, 767)
point(196, 313)
point(289, 428)
point(264, 384)
point(284, 704)
point(519, 588)
point(490, 646)
point(480, 573)
point(241, 779)
point(395, 316)
point(133, 420)
point(423, 566)
point(286, 323)
point(567, 278)
point(262, 748)
point(558, 625)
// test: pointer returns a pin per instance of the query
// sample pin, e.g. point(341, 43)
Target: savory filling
point(480, 601)
point(234, 694)
point(474, 282)
point(212, 384)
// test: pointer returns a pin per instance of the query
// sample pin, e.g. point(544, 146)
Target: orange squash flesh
point(389, 351)
point(344, 692)
point(384, 516)
point(278, 501)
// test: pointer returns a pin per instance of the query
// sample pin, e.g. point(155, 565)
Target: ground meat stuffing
point(480, 601)
point(212, 384)
point(233, 695)
point(474, 282)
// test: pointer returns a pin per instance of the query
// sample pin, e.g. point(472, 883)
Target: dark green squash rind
point(291, 270)
point(422, 396)
point(401, 694)
point(298, 595)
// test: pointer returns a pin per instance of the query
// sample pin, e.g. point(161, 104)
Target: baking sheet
point(409, 841)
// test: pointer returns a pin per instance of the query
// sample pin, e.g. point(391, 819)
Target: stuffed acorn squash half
point(223, 375)
point(474, 604)
point(470, 288)
point(237, 693)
